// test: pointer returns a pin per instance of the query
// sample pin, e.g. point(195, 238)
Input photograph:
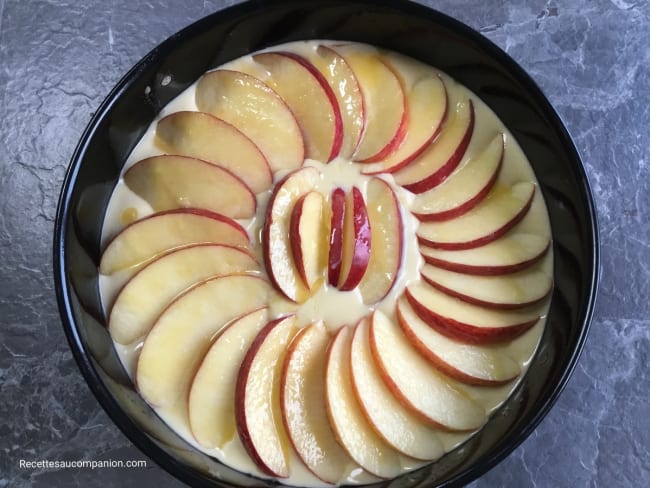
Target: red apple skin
point(362, 242)
point(452, 213)
point(484, 270)
point(240, 397)
point(336, 236)
point(481, 303)
point(452, 163)
point(486, 239)
point(338, 120)
point(466, 333)
point(296, 240)
point(441, 365)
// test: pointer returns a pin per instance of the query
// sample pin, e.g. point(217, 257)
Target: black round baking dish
point(397, 25)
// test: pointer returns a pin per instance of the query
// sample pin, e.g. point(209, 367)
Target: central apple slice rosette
point(247, 221)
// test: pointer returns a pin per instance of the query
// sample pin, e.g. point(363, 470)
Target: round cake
point(326, 263)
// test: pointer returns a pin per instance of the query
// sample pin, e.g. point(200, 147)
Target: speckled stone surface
point(59, 58)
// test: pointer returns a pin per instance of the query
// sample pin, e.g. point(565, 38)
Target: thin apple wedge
point(469, 323)
point(210, 405)
point(171, 182)
point(499, 212)
point(202, 136)
point(463, 189)
point(398, 426)
point(302, 394)
point(147, 293)
point(511, 253)
point(357, 236)
point(348, 94)
point(255, 109)
point(146, 238)
point(387, 239)
point(257, 392)
point(417, 384)
point(310, 98)
point(427, 107)
point(337, 221)
point(471, 364)
point(514, 290)
point(276, 237)
point(308, 236)
point(352, 428)
point(386, 108)
point(443, 155)
point(181, 336)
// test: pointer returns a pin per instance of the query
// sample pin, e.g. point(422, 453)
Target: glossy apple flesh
point(211, 410)
point(444, 154)
point(499, 212)
point(384, 100)
point(276, 233)
point(387, 237)
point(463, 189)
point(181, 336)
point(257, 409)
point(511, 253)
point(402, 429)
point(308, 234)
point(352, 428)
point(203, 136)
point(348, 94)
point(147, 238)
point(514, 290)
point(356, 241)
point(171, 182)
point(427, 107)
point(302, 394)
point(256, 110)
point(417, 384)
point(469, 323)
point(147, 293)
point(310, 98)
point(468, 363)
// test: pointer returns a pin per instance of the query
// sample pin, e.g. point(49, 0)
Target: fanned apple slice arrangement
point(212, 307)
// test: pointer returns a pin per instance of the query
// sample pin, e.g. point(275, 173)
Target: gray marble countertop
point(59, 58)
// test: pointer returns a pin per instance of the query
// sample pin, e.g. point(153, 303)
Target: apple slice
point(512, 252)
point(463, 189)
point(356, 241)
point(203, 136)
point(146, 238)
point(352, 428)
point(397, 425)
point(308, 236)
point(470, 364)
point(340, 77)
point(335, 256)
point(417, 384)
point(170, 182)
point(210, 404)
point(387, 239)
point(181, 336)
point(510, 291)
point(444, 154)
point(310, 98)
point(469, 323)
point(257, 406)
point(499, 212)
point(384, 100)
point(255, 109)
point(427, 107)
point(276, 232)
point(302, 393)
point(147, 293)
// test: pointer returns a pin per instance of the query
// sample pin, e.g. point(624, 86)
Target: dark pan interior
point(397, 25)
